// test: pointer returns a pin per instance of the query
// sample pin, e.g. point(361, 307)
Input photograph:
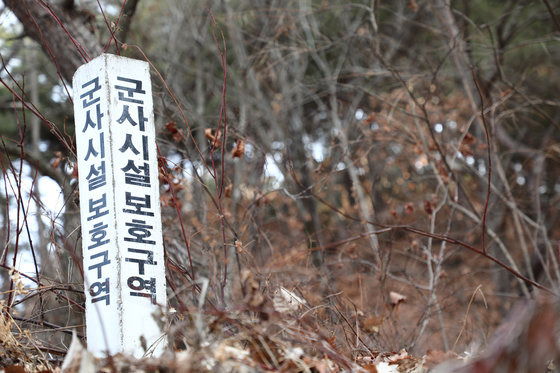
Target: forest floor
point(287, 326)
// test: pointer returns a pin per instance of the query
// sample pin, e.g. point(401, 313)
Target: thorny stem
point(223, 118)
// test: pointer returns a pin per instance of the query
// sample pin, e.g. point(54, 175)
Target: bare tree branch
point(36, 161)
point(552, 15)
point(128, 11)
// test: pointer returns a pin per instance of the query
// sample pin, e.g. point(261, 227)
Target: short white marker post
point(124, 272)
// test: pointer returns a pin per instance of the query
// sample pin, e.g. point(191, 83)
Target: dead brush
point(241, 342)
point(19, 346)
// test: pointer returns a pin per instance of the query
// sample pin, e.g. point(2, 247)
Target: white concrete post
point(124, 272)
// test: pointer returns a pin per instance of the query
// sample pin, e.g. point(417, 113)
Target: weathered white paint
point(120, 216)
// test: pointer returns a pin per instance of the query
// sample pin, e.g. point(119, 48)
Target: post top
point(106, 59)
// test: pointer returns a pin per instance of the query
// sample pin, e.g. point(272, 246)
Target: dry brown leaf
point(321, 366)
point(370, 368)
point(55, 163)
point(208, 133)
point(57, 160)
point(373, 324)
point(253, 296)
point(75, 170)
point(171, 127)
point(178, 137)
point(14, 369)
point(286, 301)
point(396, 298)
point(370, 118)
point(468, 139)
point(239, 246)
point(442, 170)
point(214, 137)
point(428, 208)
point(465, 149)
point(229, 187)
point(409, 208)
point(435, 357)
point(239, 149)
point(432, 146)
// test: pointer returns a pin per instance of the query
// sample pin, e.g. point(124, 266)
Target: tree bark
point(70, 45)
point(126, 20)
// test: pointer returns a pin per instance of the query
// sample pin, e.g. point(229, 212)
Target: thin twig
point(489, 160)
point(467, 315)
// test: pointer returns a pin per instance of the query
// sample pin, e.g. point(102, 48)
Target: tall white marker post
point(124, 271)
